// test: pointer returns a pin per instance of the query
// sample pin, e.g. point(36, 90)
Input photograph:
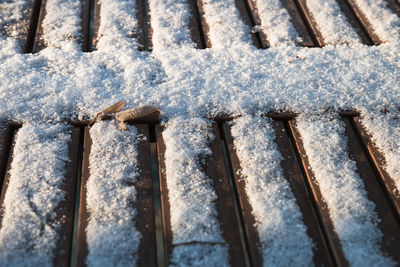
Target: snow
point(190, 192)
point(385, 23)
point(275, 22)
point(226, 27)
point(385, 132)
point(332, 23)
point(29, 232)
point(14, 18)
point(170, 19)
point(111, 234)
point(352, 213)
point(282, 234)
point(62, 24)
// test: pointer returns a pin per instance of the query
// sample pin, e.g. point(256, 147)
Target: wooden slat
point(379, 163)
point(39, 43)
point(143, 32)
point(332, 238)
point(85, 25)
point(65, 210)
point(215, 169)
point(249, 13)
point(143, 205)
point(96, 24)
point(368, 30)
point(353, 18)
point(7, 150)
point(394, 5)
point(195, 26)
point(165, 209)
point(388, 224)
point(293, 175)
point(246, 209)
point(298, 23)
point(198, 5)
point(310, 23)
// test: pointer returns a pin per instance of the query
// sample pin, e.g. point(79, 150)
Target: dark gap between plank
point(8, 143)
point(236, 204)
point(147, 31)
point(262, 42)
point(157, 203)
point(74, 246)
point(33, 25)
point(199, 24)
point(88, 26)
point(311, 28)
point(375, 170)
point(310, 193)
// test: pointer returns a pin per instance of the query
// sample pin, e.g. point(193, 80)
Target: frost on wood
point(14, 18)
point(29, 231)
point(332, 23)
point(112, 238)
point(62, 24)
point(118, 24)
point(200, 255)
point(190, 192)
point(282, 234)
point(226, 27)
point(352, 213)
point(275, 22)
point(385, 23)
point(385, 132)
point(170, 23)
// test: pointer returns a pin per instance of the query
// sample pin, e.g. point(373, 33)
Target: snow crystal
point(352, 213)
point(385, 23)
point(332, 23)
point(14, 18)
point(190, 191)
point(226, 27)
point(170, 21)
point(385, 132)
point(62, 24)
point(283, 237)
point(29, 231)
point(118, 24)
point(111, 234)
point(275, 22)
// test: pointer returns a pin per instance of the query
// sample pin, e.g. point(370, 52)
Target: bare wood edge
point(379, 162)
point(165, 209)
point(246, 209)
point(332, 238)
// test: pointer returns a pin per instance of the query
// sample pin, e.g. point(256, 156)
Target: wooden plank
point(394, 5)
point(145, 222)
point(85, 25)
point(65, 210)
point(298, 23)
point(249, 13)
point(310, 23)
point(195, 26)
point(7, 150)
point(331, 236)
point(165, 209)
point(198, 5)
point(246, 209)
point(215, 169)
point(96, 24)
point(292, 173)
point(39, 42)
point(353, 18)
point(388, 224)
point(366, 27)
point(379, 163)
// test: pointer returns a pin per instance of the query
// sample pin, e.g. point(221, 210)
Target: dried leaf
point(114, 108)
point(135, 113)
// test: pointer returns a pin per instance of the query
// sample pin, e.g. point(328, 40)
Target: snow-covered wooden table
point(246, 183)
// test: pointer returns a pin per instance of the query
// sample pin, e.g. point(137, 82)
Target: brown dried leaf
point(110, 110)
